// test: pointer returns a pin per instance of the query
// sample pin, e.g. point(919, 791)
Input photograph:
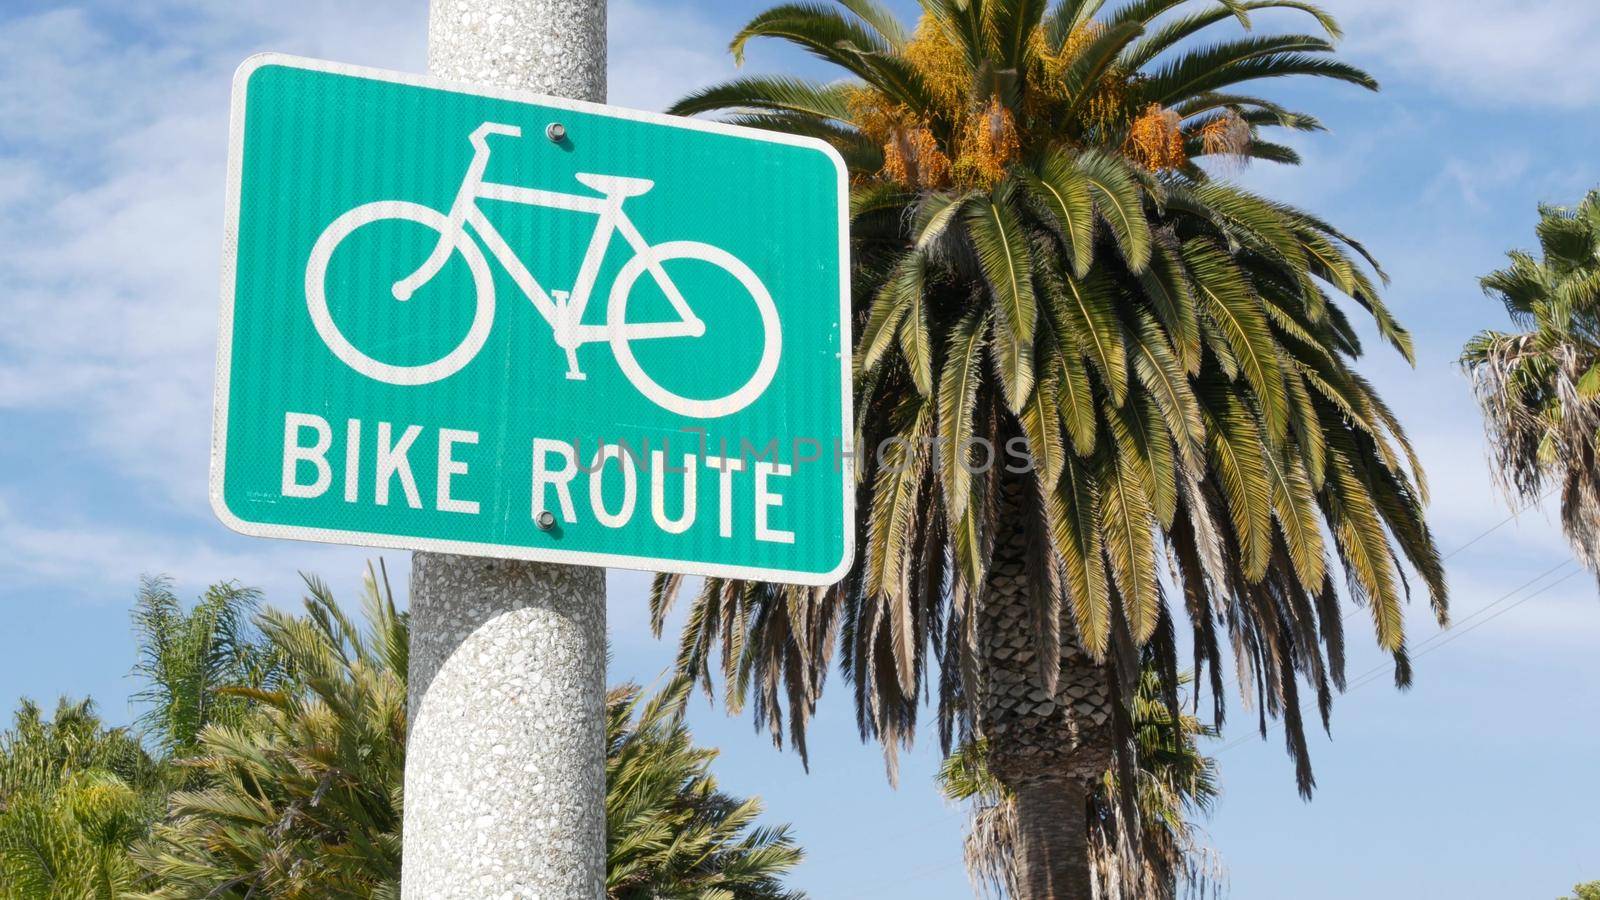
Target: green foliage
point(74, 795)
point(288, 734)
point(186, 658)
point(302, 796)
point(670, 831)
point(1539, 386)
point(1588, 891)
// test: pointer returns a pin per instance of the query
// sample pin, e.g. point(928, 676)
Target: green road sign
point(490, 322)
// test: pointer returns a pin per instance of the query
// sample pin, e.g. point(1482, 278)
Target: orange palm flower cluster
point(988, 144)
point(1226, 135)
point(983, 137)
point(1155, 140)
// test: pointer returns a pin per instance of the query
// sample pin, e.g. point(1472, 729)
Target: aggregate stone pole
point(505, 769)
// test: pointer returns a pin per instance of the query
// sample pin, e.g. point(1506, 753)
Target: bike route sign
point(490, 322)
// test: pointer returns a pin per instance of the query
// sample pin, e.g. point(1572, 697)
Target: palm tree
point(302, 797)
point(1174, 783)
point(670, 831)
point(74, 795)
point(1041, 256)
point(1539, 386)
point(185, 658)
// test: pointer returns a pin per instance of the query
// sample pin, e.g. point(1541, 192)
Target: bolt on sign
point(490, 322)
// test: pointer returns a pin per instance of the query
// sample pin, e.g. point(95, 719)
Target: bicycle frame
point(564, 311)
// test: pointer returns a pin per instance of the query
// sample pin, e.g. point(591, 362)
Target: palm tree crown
point(1040, 256)
point(187, 658)
point(74, 794)
point(671, 831)
point(301, 796)
point(1540, 386)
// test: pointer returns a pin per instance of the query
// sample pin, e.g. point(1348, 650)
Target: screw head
point(556, 132)
point(546, 520)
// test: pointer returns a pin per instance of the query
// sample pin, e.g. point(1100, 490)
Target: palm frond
point(958, 398)
point(769, 94)
point(1007, 266)
point(1175, 32)
point(821, 29)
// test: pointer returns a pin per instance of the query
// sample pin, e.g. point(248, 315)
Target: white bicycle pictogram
point(563, 310)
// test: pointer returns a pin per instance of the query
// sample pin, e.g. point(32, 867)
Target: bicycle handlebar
point(481, 134)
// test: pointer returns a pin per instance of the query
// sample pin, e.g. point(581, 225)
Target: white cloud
point(103, 561)
point(1501, 52)
point(1340, 164)
point(656, 57)
point(113, 125)
point(110, 212)
point(1469, 179)
point(111, 258)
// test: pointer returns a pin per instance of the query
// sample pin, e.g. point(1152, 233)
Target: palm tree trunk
point(1052, 849)
point(1050, 748)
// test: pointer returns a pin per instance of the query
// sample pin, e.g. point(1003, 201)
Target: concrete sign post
point(526, 336)
point(505, 762)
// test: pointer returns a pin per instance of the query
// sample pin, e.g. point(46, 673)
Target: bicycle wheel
point(317, 299)
point(617, 317)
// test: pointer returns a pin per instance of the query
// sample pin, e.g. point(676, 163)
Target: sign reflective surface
point(488, 322)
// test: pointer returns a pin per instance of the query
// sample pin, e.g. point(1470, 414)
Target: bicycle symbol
point(562, 310)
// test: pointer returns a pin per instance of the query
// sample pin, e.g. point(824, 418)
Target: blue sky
point(1476, 783)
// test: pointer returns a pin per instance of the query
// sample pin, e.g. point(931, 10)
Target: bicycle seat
point(615, 185)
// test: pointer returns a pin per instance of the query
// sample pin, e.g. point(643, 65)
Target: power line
point(1480, 536)
point(1454, 630)
point(1495, 527)
point(1444, 637)
point(1457, 633)
point(875, 890)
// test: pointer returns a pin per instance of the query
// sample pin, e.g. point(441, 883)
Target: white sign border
point(224, 371)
